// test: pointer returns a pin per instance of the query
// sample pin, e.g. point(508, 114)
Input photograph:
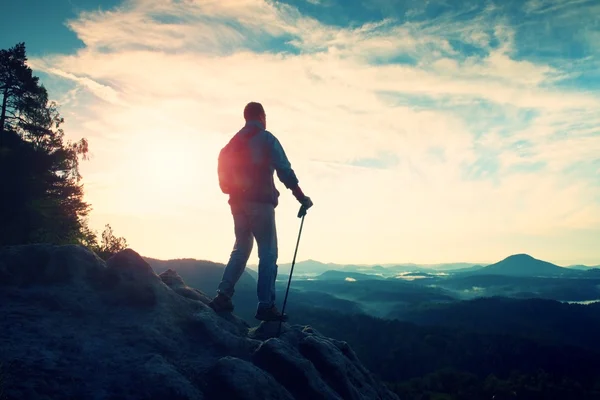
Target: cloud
point(104, 92)
point(384, 160)
point(547, 6)
point(459, 134)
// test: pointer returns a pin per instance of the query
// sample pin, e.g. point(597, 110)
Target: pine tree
point(42, 198)
point(17, 87)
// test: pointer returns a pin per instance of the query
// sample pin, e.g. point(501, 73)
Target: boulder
point(174, 281)
point(74, 326)
point(236, 379)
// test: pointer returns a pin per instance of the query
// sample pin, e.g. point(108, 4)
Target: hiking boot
point(270, 314)
point(221, 303)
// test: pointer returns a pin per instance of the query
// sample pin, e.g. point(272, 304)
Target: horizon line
point(390, 264)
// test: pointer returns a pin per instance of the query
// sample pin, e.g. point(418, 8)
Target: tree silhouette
point(42, 199)
point(110, 244)
point(18, 86)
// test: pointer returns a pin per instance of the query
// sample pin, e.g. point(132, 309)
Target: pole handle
point(302, 212)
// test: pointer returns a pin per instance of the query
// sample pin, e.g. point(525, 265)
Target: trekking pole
point(301, 213)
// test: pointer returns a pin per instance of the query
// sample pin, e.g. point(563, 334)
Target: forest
point(42, 198)
point(460, 359)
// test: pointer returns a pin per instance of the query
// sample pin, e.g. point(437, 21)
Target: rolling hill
point(523, 265)
point(343, 275)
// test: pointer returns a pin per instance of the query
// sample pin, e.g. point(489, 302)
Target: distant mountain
point(523, 265)
point(252, 272)
point(200, 274)
point(378, 268)
point(402, 268)
point(592, 271)
point(579, 267)
point(367, 269)
point(307, 299)
point(313, 268)
point(467, 269)
point(343, 275)
point(583, 267)
point(446, 267)
point(452, 266)
point(305, 268)
point(515, 265)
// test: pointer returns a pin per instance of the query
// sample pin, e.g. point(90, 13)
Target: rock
point(74, 326)
point(340, 372)
point(130, 265)
point(227, 336)
point(47, 265)
point(267, 330)
point(235, 379)
point(166, 382)
point(175, 282)
point(132, 281)
point(172, 279)
point(292, 370)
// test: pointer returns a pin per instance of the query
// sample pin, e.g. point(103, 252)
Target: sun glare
point(164, 166)
point(165, 170)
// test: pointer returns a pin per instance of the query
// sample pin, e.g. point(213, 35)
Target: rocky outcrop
point(76, 327)
point(174, 281)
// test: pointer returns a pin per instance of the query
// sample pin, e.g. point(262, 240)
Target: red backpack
point(235, 166)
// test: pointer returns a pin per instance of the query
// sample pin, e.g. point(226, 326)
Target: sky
point(424, 131)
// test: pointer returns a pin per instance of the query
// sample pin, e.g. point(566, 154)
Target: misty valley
point(521, 328)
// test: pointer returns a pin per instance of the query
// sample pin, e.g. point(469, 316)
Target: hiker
point(246, 167)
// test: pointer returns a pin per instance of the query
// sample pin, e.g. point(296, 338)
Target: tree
point(42, 198)
point(18, 87)
point(110, 244)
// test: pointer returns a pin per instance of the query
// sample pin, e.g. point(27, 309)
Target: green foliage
point(42, 198)
point(109, 244)
point(19, 89)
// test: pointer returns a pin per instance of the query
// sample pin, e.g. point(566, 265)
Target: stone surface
point(292, 370)
point(74, 326)
point(236, 379)
point(174, 281)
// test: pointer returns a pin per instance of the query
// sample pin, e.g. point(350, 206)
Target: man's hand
point(302, 199)
point(306, 204)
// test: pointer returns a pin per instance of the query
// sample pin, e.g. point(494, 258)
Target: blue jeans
point(253, 221)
